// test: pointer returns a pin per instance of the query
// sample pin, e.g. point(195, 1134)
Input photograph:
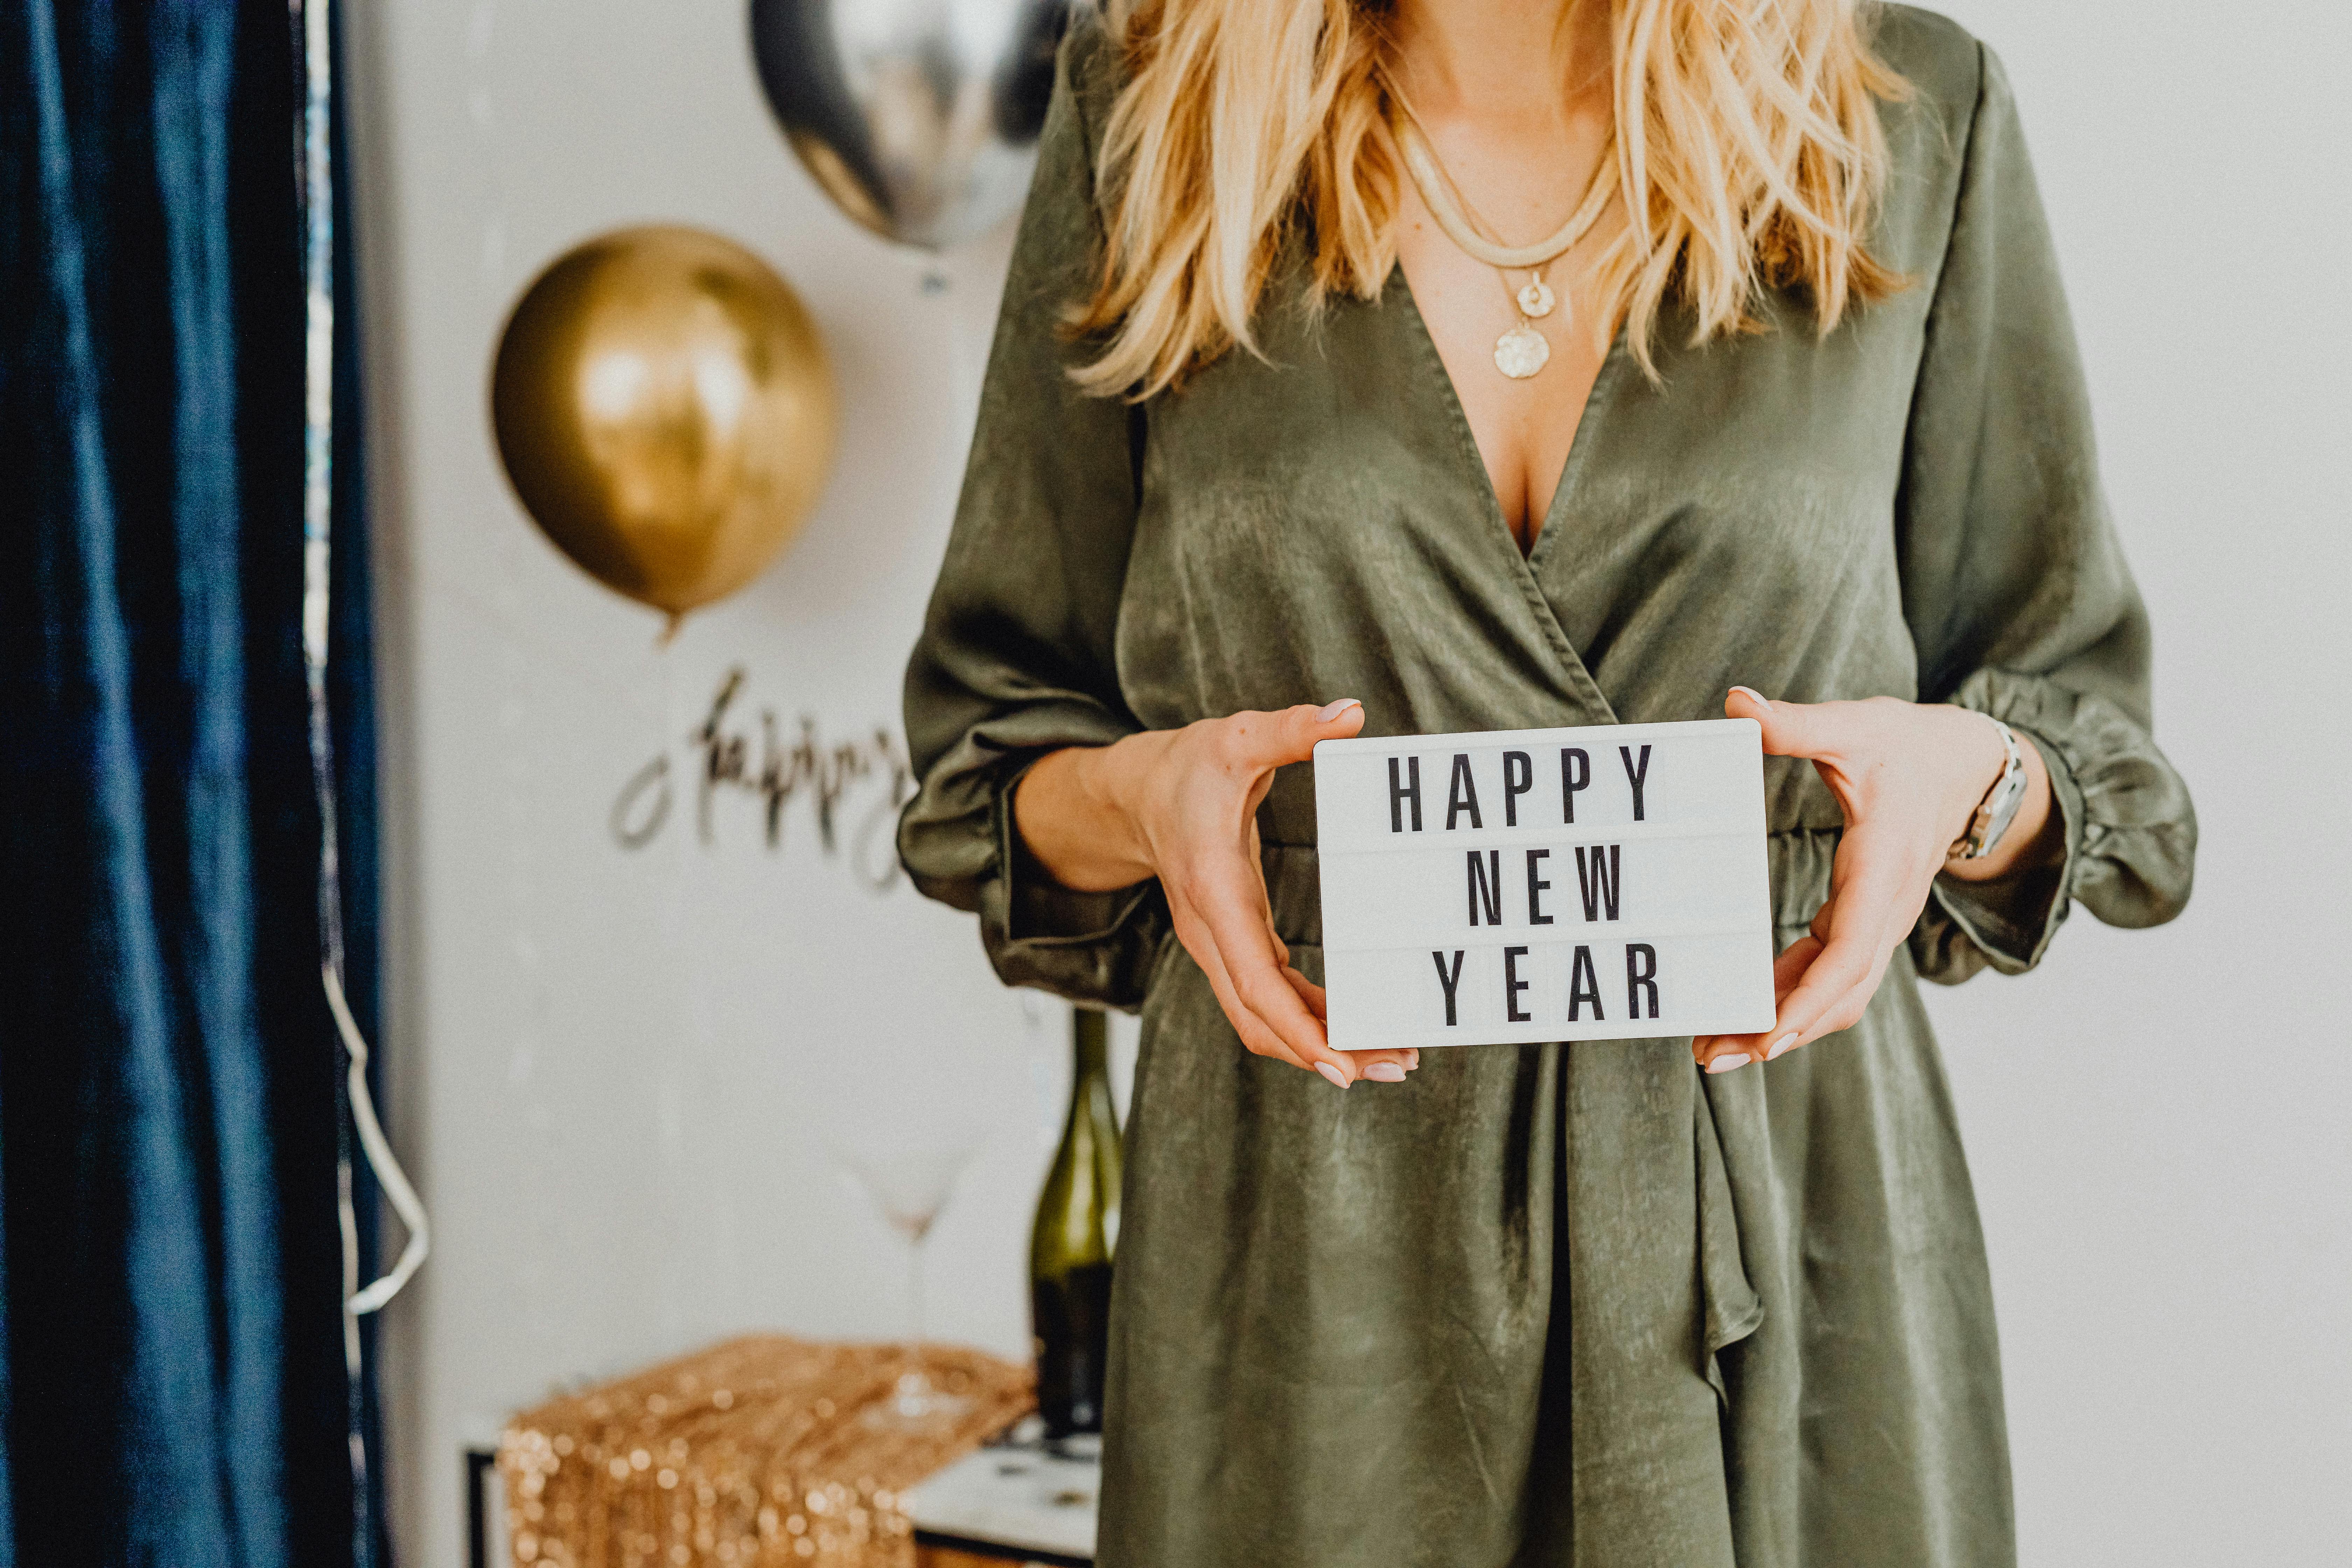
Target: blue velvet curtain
point(171, 1379)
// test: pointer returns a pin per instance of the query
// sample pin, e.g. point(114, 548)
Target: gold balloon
point(665, 410)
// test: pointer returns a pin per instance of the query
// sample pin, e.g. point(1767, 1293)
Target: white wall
point(616, 1072)
point(2158, 1119)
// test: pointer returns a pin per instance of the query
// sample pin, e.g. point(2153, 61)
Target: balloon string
point(380, 1158)
point(313, 174)
point(318, 513)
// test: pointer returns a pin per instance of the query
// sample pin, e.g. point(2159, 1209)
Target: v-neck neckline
point(1524, 564)
point(1580, 442)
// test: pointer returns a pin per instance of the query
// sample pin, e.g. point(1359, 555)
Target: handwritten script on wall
point(859, 784)
point(1594, 883)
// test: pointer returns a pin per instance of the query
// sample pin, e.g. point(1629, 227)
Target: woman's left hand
point(1909, 776)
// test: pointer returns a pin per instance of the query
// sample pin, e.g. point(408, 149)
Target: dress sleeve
point(2019, 600)
point(1016, 656)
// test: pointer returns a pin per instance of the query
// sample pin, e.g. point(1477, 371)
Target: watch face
point(2001, 810)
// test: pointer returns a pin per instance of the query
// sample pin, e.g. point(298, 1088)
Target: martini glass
point(910, 1184)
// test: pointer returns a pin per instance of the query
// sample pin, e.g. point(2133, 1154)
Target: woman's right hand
point(1181, 805)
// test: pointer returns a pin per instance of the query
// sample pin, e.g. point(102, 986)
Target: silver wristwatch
point(1998, 807)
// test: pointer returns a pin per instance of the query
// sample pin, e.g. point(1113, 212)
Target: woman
point(1802, 417)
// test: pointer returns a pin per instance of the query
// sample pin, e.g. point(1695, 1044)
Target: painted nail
point(1726, 1063)
point(1331, 710)
point(1782, 1044)
point(1334, 1074)
point(1385, 1072)
point(1751, 692)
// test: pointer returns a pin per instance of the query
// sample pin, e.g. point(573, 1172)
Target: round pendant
point(1535, 299)
point(1522, 352)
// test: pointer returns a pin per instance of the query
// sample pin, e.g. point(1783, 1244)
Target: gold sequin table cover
point(758, 1453)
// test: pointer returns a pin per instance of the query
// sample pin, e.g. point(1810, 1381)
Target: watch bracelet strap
point(1977, 841)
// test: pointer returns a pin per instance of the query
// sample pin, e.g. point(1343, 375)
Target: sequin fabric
point(760, 1452)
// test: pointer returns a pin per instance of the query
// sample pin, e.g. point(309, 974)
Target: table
point(1019, 1501)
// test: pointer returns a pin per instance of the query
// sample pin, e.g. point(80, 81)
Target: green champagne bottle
point(1070, 1248)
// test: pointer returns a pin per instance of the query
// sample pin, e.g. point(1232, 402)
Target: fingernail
point(1726, 1063)
point(1751, 692)
point(1385, 1072)
point(1782, 1044)
point(1334, 1074)
point(1331, 710)
point(1412, 1059)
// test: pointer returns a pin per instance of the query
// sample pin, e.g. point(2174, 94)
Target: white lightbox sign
point(1505, 886)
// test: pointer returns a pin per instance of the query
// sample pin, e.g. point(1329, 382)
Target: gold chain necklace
point(1522, 350)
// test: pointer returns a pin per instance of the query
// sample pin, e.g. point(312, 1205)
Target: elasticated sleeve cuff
point(1089, 947)
point(2128, 833)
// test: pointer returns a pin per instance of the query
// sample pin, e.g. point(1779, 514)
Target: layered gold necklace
point(1522, 350)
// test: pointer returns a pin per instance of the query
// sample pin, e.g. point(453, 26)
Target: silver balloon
point(919, 118)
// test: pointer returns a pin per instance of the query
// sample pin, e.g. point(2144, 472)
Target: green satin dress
point(1551, 1304)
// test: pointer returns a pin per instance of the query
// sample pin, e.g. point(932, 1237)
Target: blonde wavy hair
point(1747, 130)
